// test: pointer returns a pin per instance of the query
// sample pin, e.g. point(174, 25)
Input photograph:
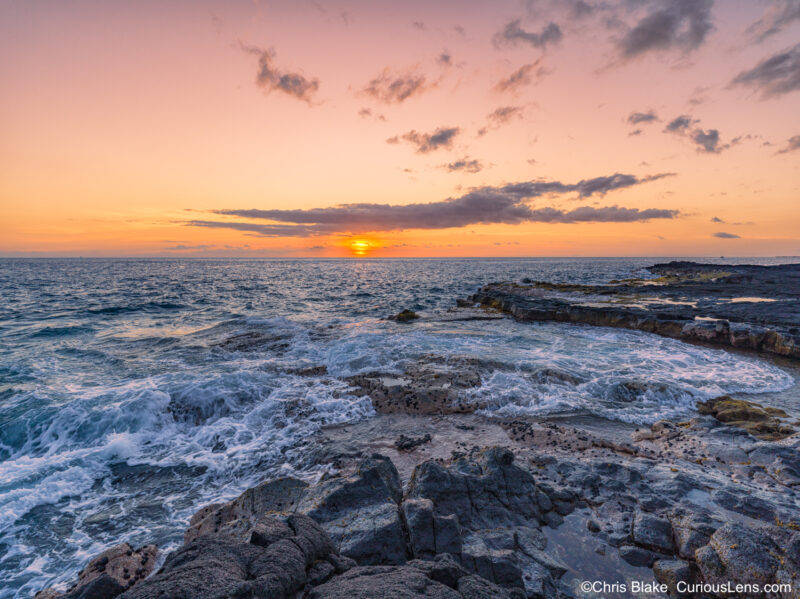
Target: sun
point(361, 247)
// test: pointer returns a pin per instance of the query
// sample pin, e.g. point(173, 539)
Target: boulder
point(762, 422)
point(671, 572)
point(217, 566)
point(361, 512)
point(652, 533)
point(740, 554)
point(109, 574)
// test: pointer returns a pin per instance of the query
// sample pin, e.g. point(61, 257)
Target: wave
point(65, 331)
point(142, 307)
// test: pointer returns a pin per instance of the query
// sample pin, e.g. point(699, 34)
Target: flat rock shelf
point(742, 306)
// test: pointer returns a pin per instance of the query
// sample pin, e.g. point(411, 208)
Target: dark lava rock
point(740, 554)
point(361, 512)
point(690, 301)
point(216, 567)
point(432, 385)
point(310, 371)
point(406, 443)
point(110, 573)
point(652, 533)
point(671, 572)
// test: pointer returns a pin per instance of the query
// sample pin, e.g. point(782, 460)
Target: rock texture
point(432, 385)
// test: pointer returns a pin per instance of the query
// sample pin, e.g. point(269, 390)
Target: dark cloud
point(367, 113)
point(635, 132)
point(394, 88)
point(671, 25)
point(506, 204)
point(524, 75)
point(775, 19)
point(777, 75)
point(504, 114)
point(791, 145)
point(723, 235)
point(419, 25)
point(679, 124)
point(464, 164)
point(428, 142)
point(717, 219)
point(580, 9)
point(271, 78)
point(513, 33)
point(445, 59)
point(707, 141)
point(635, 118)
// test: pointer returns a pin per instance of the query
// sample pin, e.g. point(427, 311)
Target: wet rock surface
point(547, 505)
point(763, 422)
point(109, 574)
point(744, 306)
point(431, 385)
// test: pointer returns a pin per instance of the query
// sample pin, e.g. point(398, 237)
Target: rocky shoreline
point(544, 506)
point(745, 306)
point(430, 499)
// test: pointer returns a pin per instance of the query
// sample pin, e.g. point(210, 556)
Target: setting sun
point(361, 247)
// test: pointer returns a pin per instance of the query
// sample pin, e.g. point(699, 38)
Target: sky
point(321, 128)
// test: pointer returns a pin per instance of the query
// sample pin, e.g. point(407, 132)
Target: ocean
point(134, 391)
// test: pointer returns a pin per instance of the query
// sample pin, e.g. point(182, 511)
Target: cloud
point(189, 247)
point(679, 124)
point(394, 88)
point(723, 235)
point(671, 25)
point(445, 59)
point(507, 204)
point(791, 145)
point(270, 78)
point(774, 76)
point(636, 118)
point(717, 219)
point(464, 164)
point(524, 75)
point(367, 113)
point(513, 33)
point(504, 114)
point(707, 140)
point(428, 142)
point(776, 18)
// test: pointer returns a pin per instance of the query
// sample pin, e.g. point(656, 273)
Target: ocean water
point(132, 392)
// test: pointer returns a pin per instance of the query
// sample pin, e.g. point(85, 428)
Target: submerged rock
point(405, 316)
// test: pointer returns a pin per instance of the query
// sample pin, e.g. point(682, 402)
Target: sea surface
point(134, 391)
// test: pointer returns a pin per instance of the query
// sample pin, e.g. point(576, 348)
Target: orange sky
point(127, 127)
